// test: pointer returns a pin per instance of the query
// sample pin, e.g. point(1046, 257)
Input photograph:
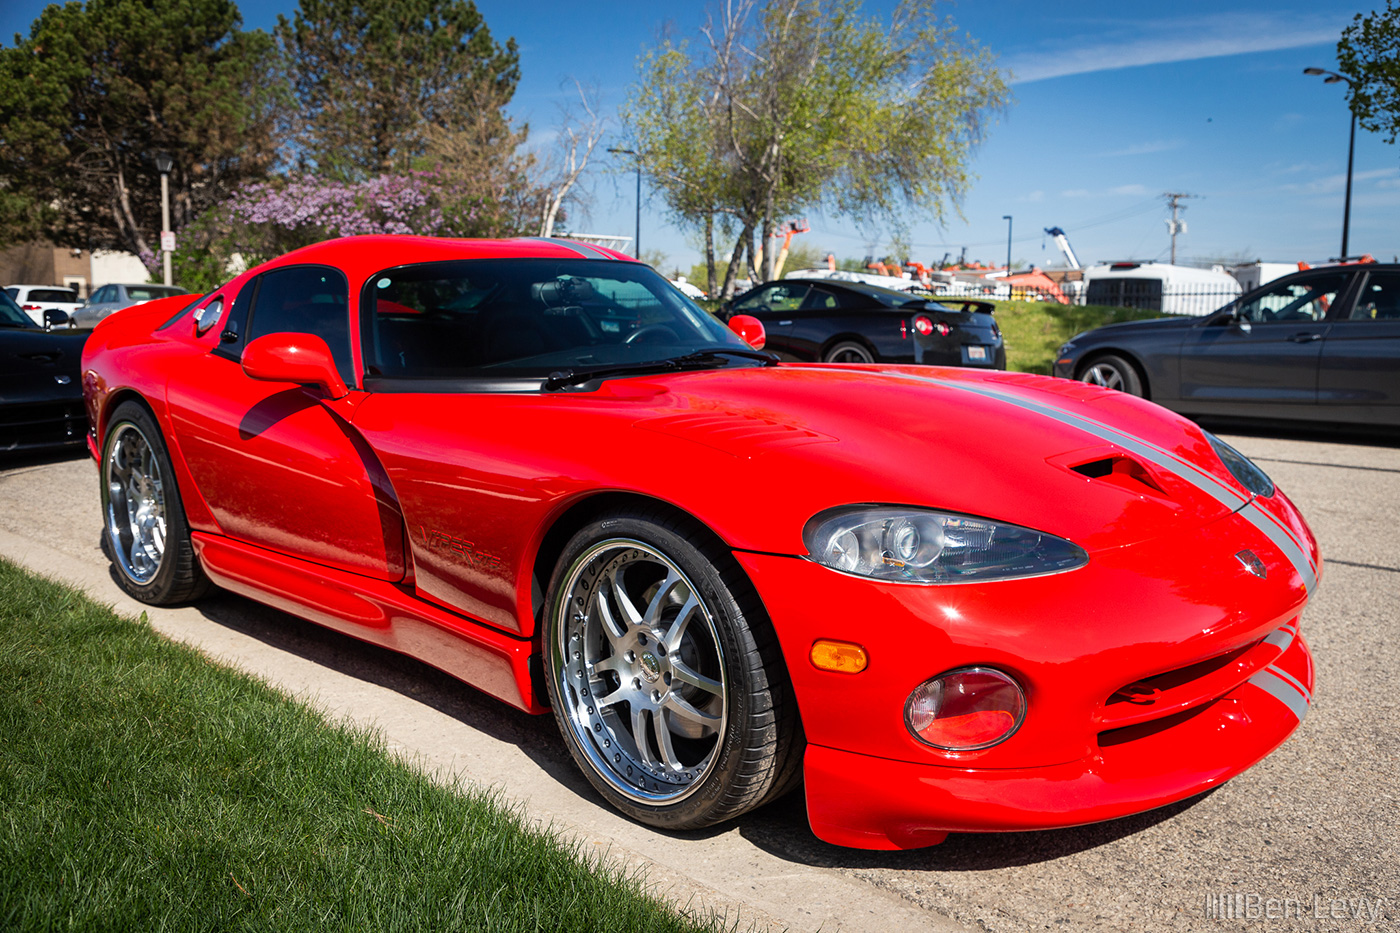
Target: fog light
point(965, 709)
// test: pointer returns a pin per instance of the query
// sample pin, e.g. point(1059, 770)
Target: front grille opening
point(1143, 691)
point(1144, 730)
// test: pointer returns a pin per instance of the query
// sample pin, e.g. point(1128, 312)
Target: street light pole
point(1007, 218)
point(637, 237)
point(164, 163)
point(1334, 78)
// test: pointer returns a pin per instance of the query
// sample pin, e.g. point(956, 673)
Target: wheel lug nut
point(641, 638)
point(631, 657)
point(667, 677)
point(636, 683)
point(661, 649)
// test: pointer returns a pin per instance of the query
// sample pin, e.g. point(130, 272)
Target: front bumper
point(873, 803)
point(1180, 621)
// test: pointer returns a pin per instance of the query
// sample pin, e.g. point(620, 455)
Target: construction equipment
point(1062, 241)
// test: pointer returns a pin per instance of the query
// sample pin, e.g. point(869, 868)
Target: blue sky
point(1112, 108)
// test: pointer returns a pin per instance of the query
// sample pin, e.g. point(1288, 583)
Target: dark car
point(819, 320)
point(1321, 345)
point(41, 391)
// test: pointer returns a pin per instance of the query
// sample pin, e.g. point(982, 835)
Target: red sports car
point(941, 599)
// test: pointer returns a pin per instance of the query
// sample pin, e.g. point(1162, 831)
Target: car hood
point(1127, 328)
point(800, 439)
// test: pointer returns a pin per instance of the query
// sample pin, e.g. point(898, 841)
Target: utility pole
point(1175, 226)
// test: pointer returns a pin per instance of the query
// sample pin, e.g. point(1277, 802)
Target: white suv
point(36, 299)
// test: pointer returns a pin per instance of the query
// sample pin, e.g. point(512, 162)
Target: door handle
point(1305, 337)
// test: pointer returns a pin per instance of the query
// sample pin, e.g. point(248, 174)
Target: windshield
point(527, 317)
point(891, 298)
point(11, 315)
point(152, 292)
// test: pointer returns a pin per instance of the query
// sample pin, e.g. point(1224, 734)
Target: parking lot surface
point(1306, 840)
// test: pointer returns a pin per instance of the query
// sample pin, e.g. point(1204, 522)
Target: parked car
point(820, 320)
point(1322, 345)
point(944, 599)
point(41, 391)
point(115, 297)
point(35, 300)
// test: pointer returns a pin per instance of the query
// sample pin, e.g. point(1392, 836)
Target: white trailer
point(1159, 286)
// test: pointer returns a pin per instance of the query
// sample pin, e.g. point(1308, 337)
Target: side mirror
point(56, 318)
point(301, 358)
point(750, 329)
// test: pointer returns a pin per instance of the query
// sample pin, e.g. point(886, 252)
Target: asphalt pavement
point(1306, 840)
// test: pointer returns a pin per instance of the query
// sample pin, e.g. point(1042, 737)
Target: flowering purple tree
point(265, 219)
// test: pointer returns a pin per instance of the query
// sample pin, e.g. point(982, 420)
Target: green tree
point(803, 105)
point(373, 80)
point(1369, 55)
point(95, 91)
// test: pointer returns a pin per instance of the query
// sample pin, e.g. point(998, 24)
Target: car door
point(279, 466)
point(1259, 357)
point(775, 305)
point(1359, 370)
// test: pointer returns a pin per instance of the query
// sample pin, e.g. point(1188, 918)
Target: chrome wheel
point(136, 505)
point(639, 671)
point(1113, 372)
point(1104, 375)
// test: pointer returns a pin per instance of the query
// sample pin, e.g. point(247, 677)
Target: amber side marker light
point(839, 656)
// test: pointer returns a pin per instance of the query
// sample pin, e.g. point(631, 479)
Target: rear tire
point(665, 675)
point(145, 534)
point(849, 351)
point(1112, 372)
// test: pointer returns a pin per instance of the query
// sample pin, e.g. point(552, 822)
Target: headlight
point(907, 545)
point(1242, 468)
point(967, 709)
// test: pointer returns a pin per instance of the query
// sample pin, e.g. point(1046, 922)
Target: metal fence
point(1149, 295)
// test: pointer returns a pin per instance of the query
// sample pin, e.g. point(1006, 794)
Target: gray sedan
point(114, 297)
point(1322, 345)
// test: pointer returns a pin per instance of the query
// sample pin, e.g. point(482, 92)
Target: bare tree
point(579, 133)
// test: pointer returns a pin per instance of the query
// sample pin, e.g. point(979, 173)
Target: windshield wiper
point(695, 360)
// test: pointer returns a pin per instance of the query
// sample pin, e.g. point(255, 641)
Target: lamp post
point(1007, 218)
point(1334, 78)
point(164, 163)
point(637, 238)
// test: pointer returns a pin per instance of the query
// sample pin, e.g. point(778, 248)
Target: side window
point(1298, 301)
point(103, 294)
point(781, 297)
point(305, 300)
point(819, 299)
point(1379, 299)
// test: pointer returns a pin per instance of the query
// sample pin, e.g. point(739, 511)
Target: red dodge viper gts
point(940, 599)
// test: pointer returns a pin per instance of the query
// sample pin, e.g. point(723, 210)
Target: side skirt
point(378, 612)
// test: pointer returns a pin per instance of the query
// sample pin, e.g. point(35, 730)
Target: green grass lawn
point(144, 787)
point(1034, 330)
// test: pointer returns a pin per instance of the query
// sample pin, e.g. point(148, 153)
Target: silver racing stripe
point(582, 249)
point(1232, 500)
point(1297, 684)
point(1281, 690)
point(1281, 638)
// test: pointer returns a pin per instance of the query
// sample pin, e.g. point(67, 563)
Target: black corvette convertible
point(41, 391)
point(821, 320)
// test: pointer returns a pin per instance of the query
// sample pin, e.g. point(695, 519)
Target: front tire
point(664, 673)
point(145, 534)
point(1112, 372)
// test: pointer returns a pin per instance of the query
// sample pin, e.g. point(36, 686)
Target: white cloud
point(1157, 42)
point(1035, 197)
point(1158, 145)
point(1128, 189)
point(1330, 184)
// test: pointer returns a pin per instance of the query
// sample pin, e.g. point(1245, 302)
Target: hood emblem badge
point(1252, 563)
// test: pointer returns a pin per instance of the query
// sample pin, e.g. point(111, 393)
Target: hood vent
point(1122, 471)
